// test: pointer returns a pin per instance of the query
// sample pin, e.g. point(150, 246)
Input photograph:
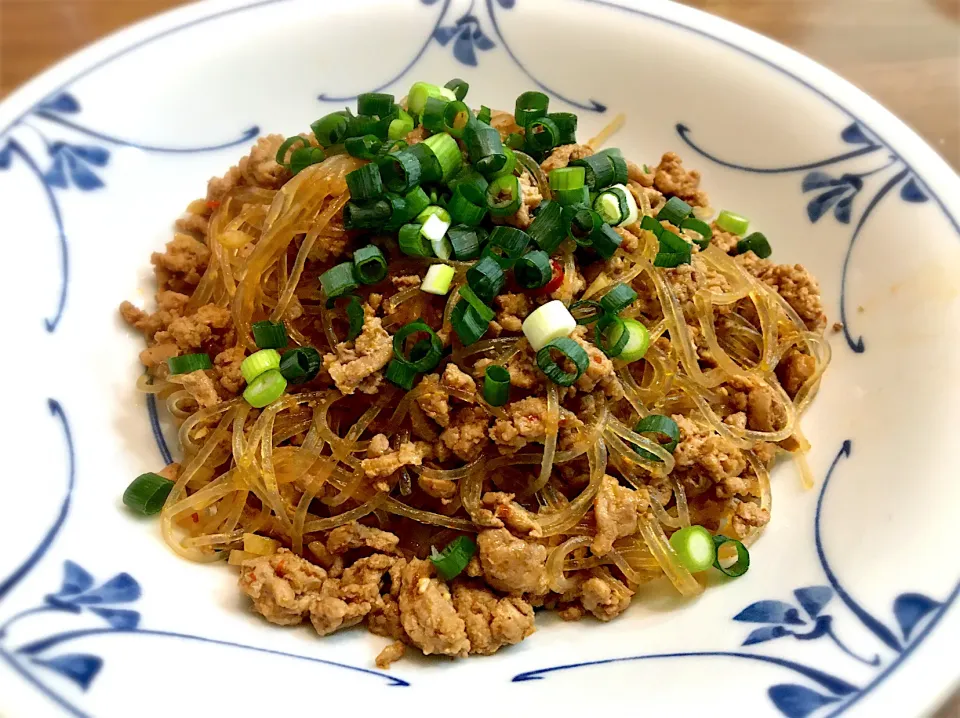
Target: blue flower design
point(465, 35)
point(75, 162)
point(838, 194)
point(64, 103)
point(78, 593)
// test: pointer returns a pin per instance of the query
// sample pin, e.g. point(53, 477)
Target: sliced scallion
point(413, 243)
point(694, 547)
point(530, 106)
point(570, 351)
point(496, 385)
point(330, 129)
point(732, 222)
point(189, 363)
point(454, 558)
point(300, 365)
point(740, 566)
point(374, 103)
point(586, 311)
point(674, 251)
point(370, 266)
point(364, 148)
point(548, 322)
point(467, 323)
point(458, 87)
point(542, 134)
point(265, 389)
point(465, 241)
point(638, 341)
point(147, 493)
point(698, 226)
point(618, 298)
point(413, 329)
point(486, 278)
point(567, 178)
point(447, 152)
point(438, 279)
point(400, 172)
point(258, 362)
point(364, 182)
point(506, 245)
point(483, 311)
point(401, 374)
point(610, 335)
point(662, 427)
point(605, 241)
point(566, 123)
point(548, 229)
point(756, 243)
point(674, 211)
point(533, 270)
point(340, 279)
point(468, 204)
point(354, 312)
point(504, 196)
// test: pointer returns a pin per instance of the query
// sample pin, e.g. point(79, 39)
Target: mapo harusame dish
point(435, 368)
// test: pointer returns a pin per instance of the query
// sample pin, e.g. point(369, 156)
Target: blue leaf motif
point(843, 209)
point(75, 579)
point(910, 609)
point(817, 180)
point(482, 41)
point(428, 2)
point(55, 176)
point(81, 175)
point(463, 49)
point(506, 4)
point(91, 153)
point(64, 102)
point(820, 205)
point(767, 633)
point(5, 156)
point(81, 668)
point(119, 618)
point(812, 599)
point(913, 192)
point(122, 588)
point(770, 612)
point(854, 135)
point(796, 701)
point(444, 34)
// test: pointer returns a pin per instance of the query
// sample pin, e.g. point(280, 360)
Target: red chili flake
point(213, 203)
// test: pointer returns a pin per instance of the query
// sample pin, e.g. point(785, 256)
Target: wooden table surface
point(905, 53)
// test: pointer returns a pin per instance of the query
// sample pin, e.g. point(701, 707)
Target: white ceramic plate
point(849, 604)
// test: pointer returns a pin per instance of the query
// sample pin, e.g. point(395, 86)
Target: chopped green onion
point(469, 176)
point(189, 363)
point(389, 147)
point(618, 298)
point(401, 374)
point(400, 172)
point(422, 153)
point(496, 385)
point(580, 224)
point(598, 169)
point(369, 264)
point(483, 311)
point(609, 328)
point(567, 178)
point(458, 87)
point(442, 249)
point(509, 167)
point(364, 148)
point(465, 241)
point(454, 558)
point(269, 335)
point(662, 426)
point(484, 114)
point(400, 127)
point(433, 111)
point(620, 174)
point(651, 225)
point(435, 228)
point(147, 493)
point(467, 323)
point(699, 227)
point(514, 141)
point(617, 205)
point(694, 547)
point(566, 123)
point(674, 211)
point(438, 279)
point(740, 566)
point(548, 322)
point(420, 92)
point(605, 241)
point(447, 152)
point(530, 106)
point(258, 362)
point(506, 245)
point(586, 311)
point(638, 341)
point(338, 280)
point(360, 125)
point(573, 197)
point(330, 129)
point(433, 209)
point(456, 115)
point(265, 389)
point(374, 103)
point(485, 148)
point(413, 243)
point(756, 243)
point(542, 134)
point(548, 229)
point(486, 278)
point(405, 208)
point(468, 204)
point(432, 357)
point(674, 251)
point(300, 365)
point(304, 157)
point(732, 222)
point(354, 312)
point(364, 183)
point(504, 196)
point(288, 145)
point(366, 215)
point(570, 351)
point(533, 270)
